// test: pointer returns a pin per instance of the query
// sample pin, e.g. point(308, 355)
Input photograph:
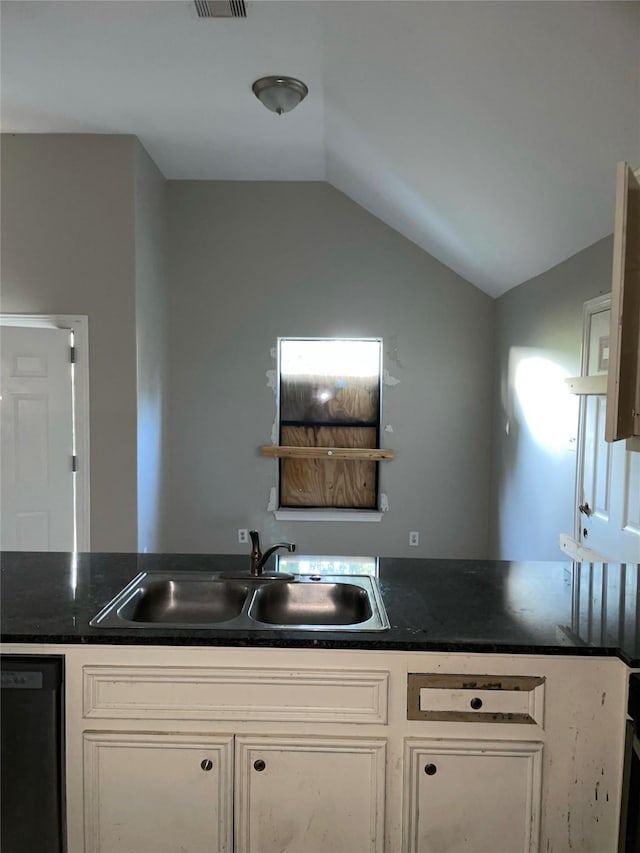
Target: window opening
point(318, 565)
point(329, 394)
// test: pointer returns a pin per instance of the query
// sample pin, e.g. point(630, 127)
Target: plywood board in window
point(329, 399)
point(328, 436)
point(328, 482)
point(333, 483)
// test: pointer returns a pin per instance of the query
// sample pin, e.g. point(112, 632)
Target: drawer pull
point(476, 703)
point(430, 769)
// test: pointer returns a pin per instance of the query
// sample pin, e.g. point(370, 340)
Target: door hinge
point(72, 353)
point(74, 463)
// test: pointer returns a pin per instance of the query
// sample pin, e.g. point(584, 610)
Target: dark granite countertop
point(433, 605)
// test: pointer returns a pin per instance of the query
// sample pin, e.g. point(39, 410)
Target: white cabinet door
point(475, 796)
point(309, 795)
point(623, 387)
point(157, 793)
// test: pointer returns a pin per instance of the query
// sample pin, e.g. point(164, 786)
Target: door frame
point(79, 325)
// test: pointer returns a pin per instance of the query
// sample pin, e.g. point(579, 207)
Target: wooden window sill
point(290, 452)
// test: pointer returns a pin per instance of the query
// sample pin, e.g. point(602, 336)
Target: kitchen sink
point(319, 603)
point(192, 600)
point(185, 601)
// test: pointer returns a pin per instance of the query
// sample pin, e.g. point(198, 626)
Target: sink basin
point(185, 601)
point(192, 600)
point(311, 604)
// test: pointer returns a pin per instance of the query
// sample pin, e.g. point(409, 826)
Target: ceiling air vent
point(221, 8)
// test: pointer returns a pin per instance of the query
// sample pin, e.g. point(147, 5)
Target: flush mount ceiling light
point(279, 94)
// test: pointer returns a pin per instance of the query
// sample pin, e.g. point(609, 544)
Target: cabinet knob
point(476, 703)
point(430, 769)
point(206, 764)
point(259, 765)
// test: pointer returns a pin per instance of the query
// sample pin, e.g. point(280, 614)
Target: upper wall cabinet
point(623, 383)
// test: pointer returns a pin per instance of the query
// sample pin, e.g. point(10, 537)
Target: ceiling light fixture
point(279, 94)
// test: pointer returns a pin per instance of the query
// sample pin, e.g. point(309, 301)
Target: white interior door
point(36, 440)
point(608, 511)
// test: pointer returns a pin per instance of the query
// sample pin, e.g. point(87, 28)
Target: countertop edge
point(306, 642)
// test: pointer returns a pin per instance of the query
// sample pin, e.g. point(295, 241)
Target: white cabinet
point(475, 796)
point(618, 373)
point(527, 750)
point(310, 795)
point(280, 780)
point(161, 793)
point(474, 792)
point(157, 793)
point(623, 386)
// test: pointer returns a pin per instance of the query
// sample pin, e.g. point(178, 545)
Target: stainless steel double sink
point(243, 602)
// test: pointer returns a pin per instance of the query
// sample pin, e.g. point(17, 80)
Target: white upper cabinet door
point(309, 795)
point(157, 793)
point(472, 796)
point(623, 388)
point(36, 440)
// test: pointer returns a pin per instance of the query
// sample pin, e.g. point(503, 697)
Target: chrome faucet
point(258, 559)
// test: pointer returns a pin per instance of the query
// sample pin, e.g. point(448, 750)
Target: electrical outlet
point(414, 538)
point(243, 536)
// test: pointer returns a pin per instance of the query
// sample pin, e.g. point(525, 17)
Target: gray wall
point(68, 248)
point(83, 232)
point(253, 261)
point(539, 338)
point(150, 307)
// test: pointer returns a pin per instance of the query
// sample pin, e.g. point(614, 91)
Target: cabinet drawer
point(475, 698)
point(235, 693)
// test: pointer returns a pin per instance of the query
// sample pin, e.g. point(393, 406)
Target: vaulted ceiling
point(486, 132)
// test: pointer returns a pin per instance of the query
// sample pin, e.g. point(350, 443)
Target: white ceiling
point(486, 132)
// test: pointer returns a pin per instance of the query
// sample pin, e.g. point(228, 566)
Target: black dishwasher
point(31, 763)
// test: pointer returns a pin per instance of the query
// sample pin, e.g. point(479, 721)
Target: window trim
point(330, 514)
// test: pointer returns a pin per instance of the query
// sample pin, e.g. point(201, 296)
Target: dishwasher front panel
point(31, 762)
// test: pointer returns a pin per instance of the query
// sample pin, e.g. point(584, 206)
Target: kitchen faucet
point(258, 559)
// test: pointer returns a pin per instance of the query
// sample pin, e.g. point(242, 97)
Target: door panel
point(608, 474)
point(183, 793)
point(309, 795)
point(597, 460)
point(32, 531)
point(453, 786)
point(631, 519)
point(36, 440)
